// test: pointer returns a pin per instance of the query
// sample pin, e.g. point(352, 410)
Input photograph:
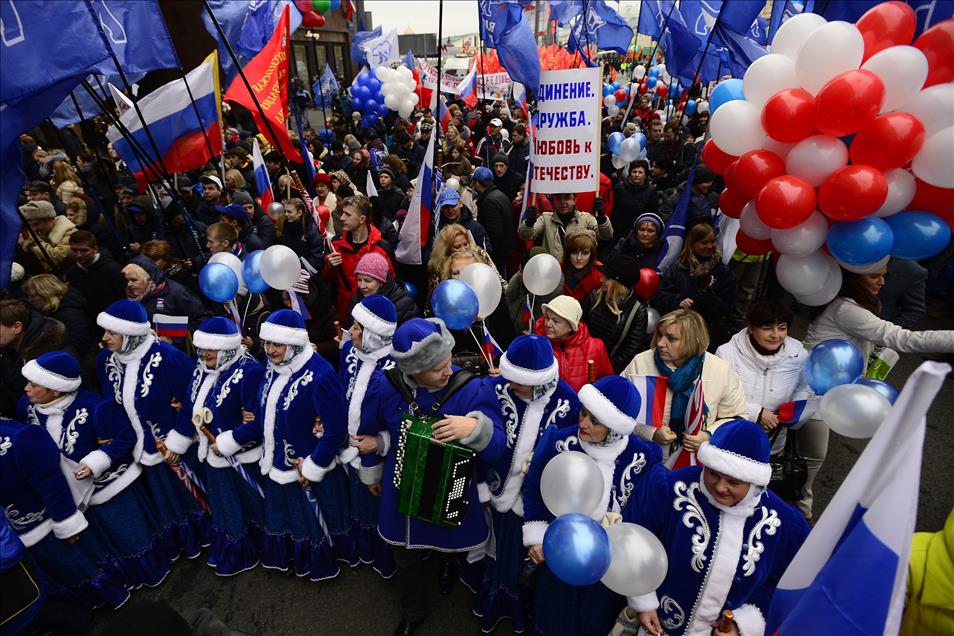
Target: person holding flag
point(678, 353)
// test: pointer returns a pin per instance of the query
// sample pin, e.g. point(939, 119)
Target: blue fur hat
point(55, 370)
point(217, 334)
point(125, 317)
point(614, 401)
point(376, 313)
point(284, 327)
point(739, 449)
point(529, 361)
point(419, 344)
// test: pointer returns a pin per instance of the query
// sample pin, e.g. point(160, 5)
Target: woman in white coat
point(854, 316)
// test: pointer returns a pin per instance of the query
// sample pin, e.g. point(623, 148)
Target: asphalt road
point(359, 601)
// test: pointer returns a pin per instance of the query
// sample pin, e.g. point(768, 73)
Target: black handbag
point(789, 469)
point(473, 362)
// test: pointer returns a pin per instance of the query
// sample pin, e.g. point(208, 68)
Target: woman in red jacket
point(573, 346)
point(580, 273)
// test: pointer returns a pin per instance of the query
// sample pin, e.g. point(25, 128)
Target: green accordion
point(431, 477)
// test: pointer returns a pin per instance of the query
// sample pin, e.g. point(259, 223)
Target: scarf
point(681, 383)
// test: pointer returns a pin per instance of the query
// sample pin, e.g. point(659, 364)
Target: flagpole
point(248, 85)
point(437, 128)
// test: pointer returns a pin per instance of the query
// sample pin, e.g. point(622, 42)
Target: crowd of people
point(280, 440)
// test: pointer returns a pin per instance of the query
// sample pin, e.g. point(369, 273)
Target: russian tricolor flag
point(520, 98)
point(489, 346)
point(652, 390)
point(467, 89)
point(443, 115)
point(797, 412)
point(262, 183)
point(171, 326)
point(849, 575)
point(172, 120)
point(417, 223)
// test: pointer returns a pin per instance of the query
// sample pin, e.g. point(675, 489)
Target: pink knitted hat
point(374, 265)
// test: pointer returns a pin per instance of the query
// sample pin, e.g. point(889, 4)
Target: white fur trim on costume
point(216, 341)
point(371, 475)
point(279, 334)
point(750, 620)
point(121, 326)
point(98, 461)
point(605, 411)
point(116, 486)
point(313, 472)
point(36, 374)
point(483, 492)
point(533, 532)
point(722, 569)
point(251, 456)
point(645, 603)
point(527, 377)
point(372, 322)
point(72, 525)
point(425, 353)
point(178, 443)
point(226, 443)
point(384, 443)
point(734, 465)
point(37, 534)
point(283, 477)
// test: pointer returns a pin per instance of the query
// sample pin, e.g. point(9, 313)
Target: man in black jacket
point(24, 335)
point(409, 152)
point(495, 213)
point(96, 275)
point(633, 197)
point(505, 178)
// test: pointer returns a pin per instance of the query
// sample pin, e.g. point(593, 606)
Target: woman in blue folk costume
point(728, 538)
point(96, 442)
point(147, 377)
point(532, 398)
point(608, 410)
point(469, 415)
point(299, 392)
point(362, 359)
point(225, 381)
point(39, 505)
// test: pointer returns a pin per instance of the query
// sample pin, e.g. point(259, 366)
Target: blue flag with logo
point(758, 33)
point(740, 50)
point(326, 86)
point(261, 17)
point(409, 60)
point(563, 11)
point(652, 17)
point(602, 25)
point(137, 33)
point(357, 53)
point(496, 18)
point(738, 15)
point(503, 27)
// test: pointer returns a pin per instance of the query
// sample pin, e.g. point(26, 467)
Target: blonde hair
point(223, 232)
point(444, 247)
point(137, 273)
point(456, 256)
point(48, 287)
point(78, 206)
point(63, 172)
point(616, 292)
point(236, 177)
point(692, 327)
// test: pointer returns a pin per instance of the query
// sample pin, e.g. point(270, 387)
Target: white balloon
point(405, 110)
point(702, 107)
point(629, 149)
point(903, 69)
point(800, 274)
point(613, 110)
point(392, 101)
point(790, 37)
point(453, 184)
point(400, 90)
point(541, 274)
point(618, 162)
point(803, 239)
point(571, 482)
point(829, 51)
point(768, 75)
point(486, 284)
point(901, 190)
point(752, 225)
point(639, 72)
point(410, 83)
point(934, 106)
point(383, 73)
point(609, 100)
point(638, 561)
point(652, 317)
point(816, 158)
point(778, 147)
point(404, 71)
point(933, 162)
point(415, 98)
point(854, 410)
point(280, 267)
point(826, 292)
point(869, 268)
point(737, 127)
point(234, 263)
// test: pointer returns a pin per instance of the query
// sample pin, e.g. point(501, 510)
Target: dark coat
point(495, 214)
point(304, 238)
point(510, 183)
point(611, 329)
point(519, 157)
point(102, 284)
point(713, 295)
point(404, 305)
point(264, 227)
point(41, 336)
point(630, 246)
point(74, 315)
point(629, 201)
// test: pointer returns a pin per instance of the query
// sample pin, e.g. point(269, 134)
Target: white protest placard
point(566, 152)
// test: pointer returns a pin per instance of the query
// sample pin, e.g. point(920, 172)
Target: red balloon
point(852, 193)
point(933, 199)
point(753, 247)
point(785, 201)
point(304, 6)
point(324, 214)
point(754, 169)
point(647, 284)
point(937, 44)
point(848, 102)
point(662, 90)
point(789, 115)
point(886, 24)
point(731, 203)
point(715, 158)
point(621, 96)
point(889, 142)
point(729, 178)
point(313, 20)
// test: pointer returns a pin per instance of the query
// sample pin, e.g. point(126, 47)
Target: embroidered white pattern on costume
point(114, 374)
point(351, 360)
point(303, 380)
point(31, 414)
point(269, 378)
point(509, 409)
point(754, 546)
point(686, 498)
point(235, 378)
point(626, 483)
point(21, 523)
point(670, 606)
point(196, 383)
point(5, 445)
point(70, 434)
point(107, 477)
point(147, 374)
point(562, 409)
point(563, 445)
point(289, 453)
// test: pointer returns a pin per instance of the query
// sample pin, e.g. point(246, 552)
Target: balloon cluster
point(614, 96)
point(626, 149)
point(836, 147)
point(397, 87)
point(367, 98)
point(226, 275)
point(476, 295)
point(312, 10)
point(625, 557)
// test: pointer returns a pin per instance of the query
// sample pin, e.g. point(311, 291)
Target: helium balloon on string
point(542, 274)
point(280, 267)
point(726, 91)
point(251, 274)
point(218, 282)
point(881, 387)
point(613, 142)
point(918, 235)
point(833, 363)
point(571, 482)
point(576, 548)
point(858, 242)
point(854, 410)
point(455, 302)
point(486, 284)
point(638, 563)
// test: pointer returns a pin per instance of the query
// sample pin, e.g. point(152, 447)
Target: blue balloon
point(613, 142)
point(357, 104)
point(833, 363)
point(615, 86)
point(455, 302)
point(691, 107)
point(411, 289)
point(881, 387)
point(372, 117)
point(251, 274)
point(577, 549)
point(653, 71)
point(651, 82)
point(918, 235)
point(607, 90)
point(727, 91)
point(860, 242)
point(641, 138)
point(381, 109)
point(334, 5)
point(374, 85)
point(218, 282)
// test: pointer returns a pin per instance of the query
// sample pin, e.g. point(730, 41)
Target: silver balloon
point(542, 274)
point(638, 562)
point(571, 482)
point(275, 210)
point(280, 267)
point(486, 283)
point(854, 410)
point(652, 317)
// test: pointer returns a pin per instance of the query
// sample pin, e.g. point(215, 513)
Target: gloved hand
point(531, 216)
point(600, 210)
